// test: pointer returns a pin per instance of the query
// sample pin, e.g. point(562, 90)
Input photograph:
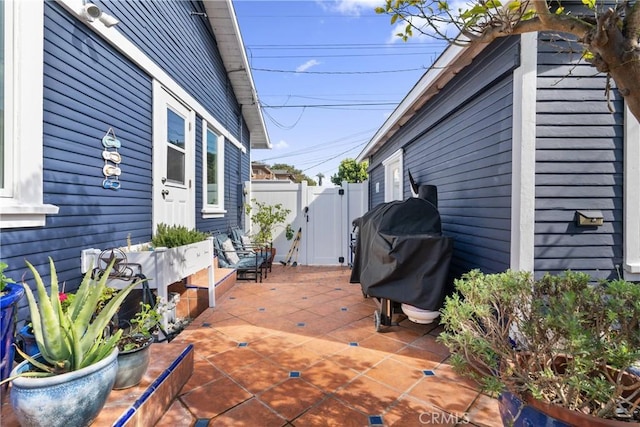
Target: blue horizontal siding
point(376, 178)
point(190, 56)
point(88, 88)
point(579, 166)
point(460, 141)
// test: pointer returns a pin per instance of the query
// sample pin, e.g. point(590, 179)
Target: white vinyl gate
point(324, 214)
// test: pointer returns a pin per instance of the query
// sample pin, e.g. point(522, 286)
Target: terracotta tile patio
point(300, 349)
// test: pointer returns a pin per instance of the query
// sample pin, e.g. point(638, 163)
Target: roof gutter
point(223, 20)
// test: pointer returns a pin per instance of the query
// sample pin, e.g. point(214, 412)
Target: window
point(21, 75)
point(175, 147)
point(393, 186)
point(213, 172)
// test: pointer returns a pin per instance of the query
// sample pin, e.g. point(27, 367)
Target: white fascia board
point(631, 251)
point(523, 156)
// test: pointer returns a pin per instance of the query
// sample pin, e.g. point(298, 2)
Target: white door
point(173, 162)
point(325, 225)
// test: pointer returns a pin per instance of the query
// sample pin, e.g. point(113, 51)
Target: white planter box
point(163, 266)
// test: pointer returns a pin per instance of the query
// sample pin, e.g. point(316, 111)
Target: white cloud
point(350, 7)
point(304, 67)
point(281, 144)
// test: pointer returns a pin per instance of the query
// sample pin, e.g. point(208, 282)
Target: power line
point(346, 55)
point(273, 70)
point(280, 125)
point(323, 145)
point(408, 45)
point(321, 98)
point(334, 157)
point(363, 104)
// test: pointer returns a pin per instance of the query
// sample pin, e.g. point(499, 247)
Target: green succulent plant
point(4, 280)
point(74, 338)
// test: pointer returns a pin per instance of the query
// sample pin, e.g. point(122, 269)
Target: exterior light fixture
point(90, 12)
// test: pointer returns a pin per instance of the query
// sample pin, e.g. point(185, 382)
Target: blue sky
point(328, 74)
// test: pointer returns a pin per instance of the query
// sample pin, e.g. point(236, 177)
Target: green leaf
point(515, 5)
point(443, 5)
point(591, 4)
point(98, 326)
point(45, 320)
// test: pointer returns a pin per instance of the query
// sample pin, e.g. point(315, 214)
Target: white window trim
point(388, 163)
point(523, 153)
point(208, 210)
point(22, 205)
point(631, 227)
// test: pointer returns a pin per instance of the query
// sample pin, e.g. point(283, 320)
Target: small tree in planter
point(557, 342)
point(267, 217)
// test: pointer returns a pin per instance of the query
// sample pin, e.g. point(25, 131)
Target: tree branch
point(542, 9)
point(631, 29)
point(559, 23)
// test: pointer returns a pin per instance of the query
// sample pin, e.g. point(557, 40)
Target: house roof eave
point(451, 61)
point(223, 20)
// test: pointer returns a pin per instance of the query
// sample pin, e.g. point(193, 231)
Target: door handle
point(165, 192)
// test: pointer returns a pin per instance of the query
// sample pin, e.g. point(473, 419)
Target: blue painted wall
point(89, 88)
point(460, 141)
point(579, 165)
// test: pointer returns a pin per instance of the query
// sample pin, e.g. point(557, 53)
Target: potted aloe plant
point(555, 350)
point(69, 381)
point(10, 294)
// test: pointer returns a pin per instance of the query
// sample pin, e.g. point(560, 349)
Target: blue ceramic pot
point(8, 307)
point(534, 413)
point(73, 399)
point(515, 413)
point(26, 341)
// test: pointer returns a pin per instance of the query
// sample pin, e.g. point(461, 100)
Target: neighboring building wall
point(461, 142)
point(579, 165)
point(376, 186)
